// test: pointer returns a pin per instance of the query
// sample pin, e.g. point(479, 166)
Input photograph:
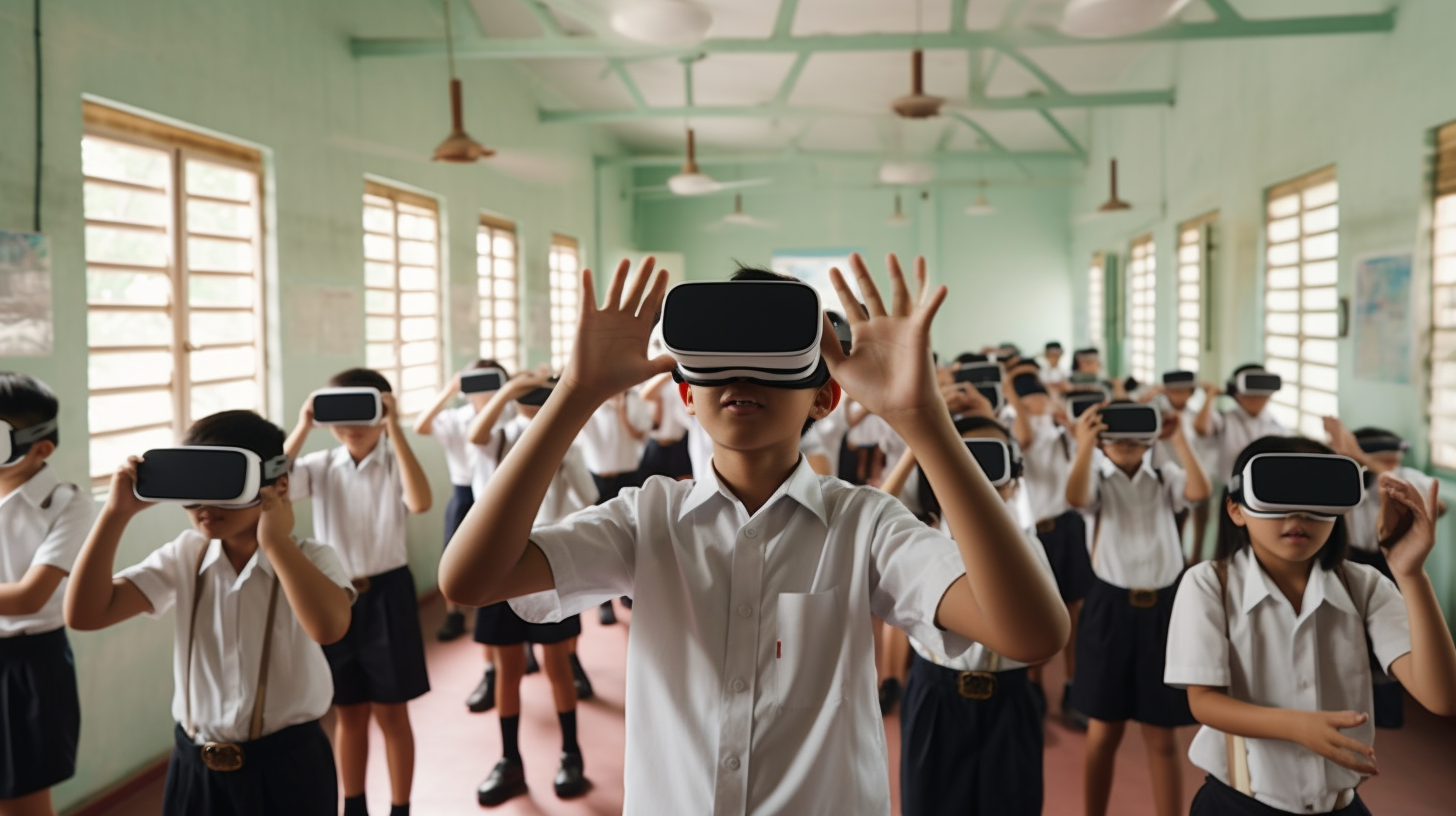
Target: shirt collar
point(802, 486)
point(342, 456)
point(259, 561)
point(1323, 587)
point(39, 486)
point(1108, 468)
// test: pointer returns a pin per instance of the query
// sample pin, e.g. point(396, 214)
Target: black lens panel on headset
point(482, 380)
point(977, 373)
point(346, 406)
point(1079, 404)
point(741, 317)
point(1179, 379)
point(1260, 382)
point(994, 457)
point(993, 394)
point(197, 474)
point(1131, 422)
point(536, 396)
point(1319, 483)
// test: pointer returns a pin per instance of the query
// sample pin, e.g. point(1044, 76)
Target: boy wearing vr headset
point(1171, 398)
point(363, 492)
point(43, 524)
point(751, 682)
point(1231, 430)
point(1137, 559)
point(1271, 639)
point(980, 705)
point(248, 596)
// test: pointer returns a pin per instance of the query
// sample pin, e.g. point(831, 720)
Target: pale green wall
point(1007, 274)
point(277, 73)
point(1255, 113)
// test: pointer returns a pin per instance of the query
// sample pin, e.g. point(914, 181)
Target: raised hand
point(1089, 427)
point(276, 522)
point(610, 352)
point(1407, 525)
point(123, 497)
point(1319, 731)
point(889, 369)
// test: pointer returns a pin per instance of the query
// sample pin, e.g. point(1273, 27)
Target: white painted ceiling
point(858, 83)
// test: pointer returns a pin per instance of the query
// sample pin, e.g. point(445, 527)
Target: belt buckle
point(223, 757)
point(976, 685)
point(1046, 525)
point(1142, 598)
point(361, 585)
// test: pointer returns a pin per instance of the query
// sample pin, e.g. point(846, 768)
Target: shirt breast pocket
point(810, 636)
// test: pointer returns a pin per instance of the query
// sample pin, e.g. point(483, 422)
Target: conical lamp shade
point(458, 147)
point(981, 207)
point(1114, 204)
point(918, 105)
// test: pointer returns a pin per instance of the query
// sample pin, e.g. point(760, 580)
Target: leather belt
point(1142, 598)
point(361, 585)
point(1046, 525)
point(976, 685)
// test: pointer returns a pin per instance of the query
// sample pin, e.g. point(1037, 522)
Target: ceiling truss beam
point(784, 22)
point(550, 27)
point(795, 156)
point(630, 84)
point(1066, 135)
point(786, 88)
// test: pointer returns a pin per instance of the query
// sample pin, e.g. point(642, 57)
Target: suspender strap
point(191, 637)
point(1235, 746)
point(255, 730)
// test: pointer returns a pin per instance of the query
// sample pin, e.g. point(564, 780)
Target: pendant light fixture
point(458, 147)
point(918, 105)
point(981, 206)
point(898, 219)
point(691, 180)
point(1114, 204)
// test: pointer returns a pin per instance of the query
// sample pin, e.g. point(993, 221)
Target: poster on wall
point(1384, 336)
point(26, 319)
point(812, 267)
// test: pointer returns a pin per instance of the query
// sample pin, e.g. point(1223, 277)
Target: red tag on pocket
point(779, 649)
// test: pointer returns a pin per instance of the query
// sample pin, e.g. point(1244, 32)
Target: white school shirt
point(1362, 522)
point(1137, 544)
point(978, 657)
point(1053, 375)
point(452, 428)
point(700, 451)
point(673, 424)
point(33, 535)
point(227, 649)
point(357, 509)
point(1231, 431)
point(609, 447)
point(751, 678)
point(1048, 464)
point(868, 432)
point(830, 432)
point(1204, 450)
point(571, 489)
point(1313, 661)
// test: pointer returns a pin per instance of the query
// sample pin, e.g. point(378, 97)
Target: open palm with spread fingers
point(1407, 524)
point(610, 354)
point(888, 369)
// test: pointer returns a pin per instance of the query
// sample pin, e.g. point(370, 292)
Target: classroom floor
point(456, 749)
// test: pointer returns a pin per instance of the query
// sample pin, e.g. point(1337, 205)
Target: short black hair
point(489, 362)
point(1090, 351)
point(238, 429)
point(1232, 538)
point(360, 378)
point(1053, 346)
point(26, 401)
point(1230, 386)
point(1375, 433)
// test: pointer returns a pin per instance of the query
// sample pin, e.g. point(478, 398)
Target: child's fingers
point(852, 312)
point(652, 306)
point(932, 305)
point(588, 293)
point(900, 303)
point(639, 284)
point(829, 347)
point(867, 288)
point(922, 289)
point(615, 285)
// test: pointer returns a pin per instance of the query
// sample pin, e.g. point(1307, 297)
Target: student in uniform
point(503, 633)
point(971, 739)
point(43, 524)
point(362, 493)
point(751, 684)
point(666, 453)
point(1053, 375)
point(1171, 399)
point(1231, 430)
point(1137, 558)
point(612, 444)
point(1264, 639)
point(252, 604)
point(449, 425)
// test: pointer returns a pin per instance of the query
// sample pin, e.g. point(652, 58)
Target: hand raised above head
point(610, 351)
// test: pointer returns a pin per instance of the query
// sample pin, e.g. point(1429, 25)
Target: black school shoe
point(606, 614)
point(507, 780)
point(578, 677)
point(531, 665)
point(570, 777)
point(889, 695)
point(452, 628)
point(483, 698)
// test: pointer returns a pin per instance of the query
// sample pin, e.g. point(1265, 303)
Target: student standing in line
point(503, 633)
point(666, 453)
point(1053, 375)
point(362, 493)
point(971, 738)
point(757, 694)
point(1122, 636)
point(1232, 429)
point(249, 695)
point(43, 524)
point(612, 444)
point(1171, 399)
point(449, 427)
point(1264, 639)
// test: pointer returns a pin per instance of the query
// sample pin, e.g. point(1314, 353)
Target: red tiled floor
point(456, 749)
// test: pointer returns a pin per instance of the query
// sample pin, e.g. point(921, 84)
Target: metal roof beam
point(791, 156)
point(1066, 135)
point(550, 26)
point(1052, 101)
point(784, 23)
point(630, 84)
point(791, 79)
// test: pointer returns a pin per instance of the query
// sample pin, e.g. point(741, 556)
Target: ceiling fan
point(1117, 18)
point(692, 181)
point(739, 218)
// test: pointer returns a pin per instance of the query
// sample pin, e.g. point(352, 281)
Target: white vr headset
point(347, 406)
point(1001, 462)
point(16, 442)
point(1321, 486)
point(766, 332)
point(482, 380)
point(198, 475)
point(1257, 384)
point(1135, 421)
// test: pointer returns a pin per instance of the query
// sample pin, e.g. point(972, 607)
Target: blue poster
point(1384, 333)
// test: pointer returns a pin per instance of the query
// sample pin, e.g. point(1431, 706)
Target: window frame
point(105, 123)
point(1203, 228)
point(1097, 291)
point(398, 198)
point(564, 292)
point(1442, 190)
point(1142, 278)
point(491, 224)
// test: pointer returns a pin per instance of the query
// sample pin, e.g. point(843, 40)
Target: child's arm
point(895, 482)
point(425, 422)
point(1021, 425)
point(1004, 600)
point(1428, 671)
point(1079, 481)
point(321, 606)
point(30, 594)
point(491, 558)
point(484, 423)
point(1319, 731)
point(55, 556)
point(1196, 488)
point(94, 599)
point(295, 440)
point(652, 395)
point(417, 498)
point(1203, 423)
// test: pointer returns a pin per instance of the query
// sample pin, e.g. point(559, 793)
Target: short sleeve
point(326, 560)
point(157, 576)
point(1386, 621)
point(1215, 424)
point(1175, 483)
point(448, 428)
point(579, 477)
point(593, 556)
point(914, 566)
point(1198, 645)
point(68, 533)
point(305, 472)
